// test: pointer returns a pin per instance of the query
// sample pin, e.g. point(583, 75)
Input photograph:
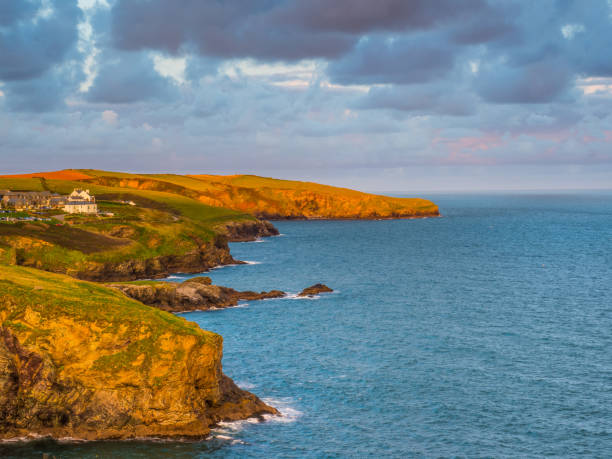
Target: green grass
point(54, 298)
point(161, 224)
point(19, 184)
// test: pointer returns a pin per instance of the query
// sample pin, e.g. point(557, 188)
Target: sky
point(385, 95)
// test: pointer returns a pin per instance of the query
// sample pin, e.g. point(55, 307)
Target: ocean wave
point(284, 405)
point(245, 385)
point(252, 262)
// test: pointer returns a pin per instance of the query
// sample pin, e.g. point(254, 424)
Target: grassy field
point(34, 304)
point(160, 224)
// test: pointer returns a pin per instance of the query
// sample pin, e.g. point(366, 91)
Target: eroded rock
point(315, 290)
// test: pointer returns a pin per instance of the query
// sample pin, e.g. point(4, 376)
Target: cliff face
point(248, 230)
point(83, 361)
point(206, 257)
point(51, 250)
point(272, 198)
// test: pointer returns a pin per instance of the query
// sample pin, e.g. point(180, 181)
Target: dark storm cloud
point(29, 46)
point(363, 16)
point(129, 77)
point(542, 81)
point(223, 29)
point(38, 94)
point(402, 60)
point(275, 30)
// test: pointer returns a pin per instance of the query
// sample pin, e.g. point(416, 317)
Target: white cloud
point(569, 30)
point(87, 43)
point(170, 67)
point(110, 117)
point(147, 126)
point(600, 86)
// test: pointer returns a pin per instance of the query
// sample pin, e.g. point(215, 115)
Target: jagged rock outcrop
point(244, 231)
point(315, 290)
point(82, 361)
point(193, 294)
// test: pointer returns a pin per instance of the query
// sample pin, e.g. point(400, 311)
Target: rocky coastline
point(209, 255)
point(196, 294)
point(199, 294)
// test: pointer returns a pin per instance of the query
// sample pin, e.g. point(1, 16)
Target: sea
point(486, 332)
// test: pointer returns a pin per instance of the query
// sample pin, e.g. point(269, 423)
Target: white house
point(81, 202)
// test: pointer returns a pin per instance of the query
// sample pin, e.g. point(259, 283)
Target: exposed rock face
point(208, 256)
point(315, 290)
point(110, 368)
point(280, 199)
point(193, 294)
point(249, 230)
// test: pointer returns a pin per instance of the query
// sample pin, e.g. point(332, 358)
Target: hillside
point(162, 233)
point(259, 196)
point(84, 361)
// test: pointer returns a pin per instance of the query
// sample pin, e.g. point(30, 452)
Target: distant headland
point(260, 196)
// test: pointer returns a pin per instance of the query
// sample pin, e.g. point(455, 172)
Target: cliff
point(83, 361)
point(149, 240)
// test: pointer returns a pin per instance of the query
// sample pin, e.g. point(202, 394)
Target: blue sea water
point(485, 333)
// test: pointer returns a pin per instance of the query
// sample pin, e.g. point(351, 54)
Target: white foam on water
point(295, 296)
point(230, 427)
point(252, 262)
point(223, 437)
point(287, 412)
point(284, 405)
point(224, 266)
point(245, 385)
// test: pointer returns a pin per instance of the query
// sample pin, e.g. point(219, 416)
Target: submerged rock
point(315, 290)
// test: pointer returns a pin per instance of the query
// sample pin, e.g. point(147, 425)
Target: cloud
point(129, 77)
point(31, 45)
point(110, 117)
point(363, 16)
point(539, 82)
point(420, 99)
point(305, 85)
point(379, 60)
point(15, 11)
point(220, 29)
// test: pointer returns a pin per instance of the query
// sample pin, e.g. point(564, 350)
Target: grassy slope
point(33, 303)
point(53, 295)
point(161, 224)
point(272, 198)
